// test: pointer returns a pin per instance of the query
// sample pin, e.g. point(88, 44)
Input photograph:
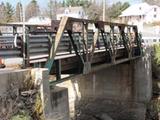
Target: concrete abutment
point(119, 92)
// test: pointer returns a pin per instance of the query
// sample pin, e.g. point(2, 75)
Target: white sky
point(43, 3)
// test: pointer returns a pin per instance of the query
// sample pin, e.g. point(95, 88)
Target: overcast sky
point(43, 3)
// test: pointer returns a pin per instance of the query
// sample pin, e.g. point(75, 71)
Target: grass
point(23, 115)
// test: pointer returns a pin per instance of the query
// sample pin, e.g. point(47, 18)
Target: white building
point(38, 20)
point(75, 12)
point(141, 13)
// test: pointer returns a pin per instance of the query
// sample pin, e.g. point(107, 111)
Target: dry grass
point(23, 104)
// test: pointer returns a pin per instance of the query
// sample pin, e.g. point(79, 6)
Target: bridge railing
point(10, 46)
point(74, 37)
point(106, 35)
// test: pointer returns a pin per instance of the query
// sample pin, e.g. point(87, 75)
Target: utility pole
point(65, 3)
point(50, 9)
point(104, 10)
point(24, 34)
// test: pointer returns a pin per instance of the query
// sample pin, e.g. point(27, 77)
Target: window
point(66, 11)
point(155, 9)
point(155, 16)
point(159, 40)
point(140, 16)
point(140, 8)
point(154, 40)
point(82, 13)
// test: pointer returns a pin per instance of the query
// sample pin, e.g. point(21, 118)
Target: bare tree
point(18, 12)
point(2, 11)
point(32, 9)
point(9, 12)
point(52, 9)
point(94, 11)
point(153, 2)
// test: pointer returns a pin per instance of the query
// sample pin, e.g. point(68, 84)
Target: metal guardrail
point(39, 45)
point(10, 46)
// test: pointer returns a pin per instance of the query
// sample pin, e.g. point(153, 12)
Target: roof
point(137, 9)
point(34, 21)
point(39, 20)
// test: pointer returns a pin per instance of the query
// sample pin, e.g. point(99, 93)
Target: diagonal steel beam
point(59, 34)
point(137, 39)
point(54, 46)
point(85, 40)
point(113, 44)
point(130, 42)
point(92, 49)
point(125, 43)
point(74, 46)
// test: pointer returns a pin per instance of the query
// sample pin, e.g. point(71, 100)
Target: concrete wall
point(143, 78)
point(118, 91)
point(99, 89)
point(123, 89)
point(59, 103)
point(12, 80)
point(112, 83)
point(54, 100)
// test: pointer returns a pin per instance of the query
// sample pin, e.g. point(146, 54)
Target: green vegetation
point(9, 12)
point(153, 108)
point(93, 10)
point(156, 55)
point(75, 3)
point(156, 61)
point(38, 109)
point(25, 105)
point(116, 9)
point(23, 115)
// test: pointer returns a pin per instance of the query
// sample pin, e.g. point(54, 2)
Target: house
point(75, 12)
point(143, 15)
point(140, 13)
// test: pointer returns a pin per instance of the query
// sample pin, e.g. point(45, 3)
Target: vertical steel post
point(58, 69)
point(24, 38)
